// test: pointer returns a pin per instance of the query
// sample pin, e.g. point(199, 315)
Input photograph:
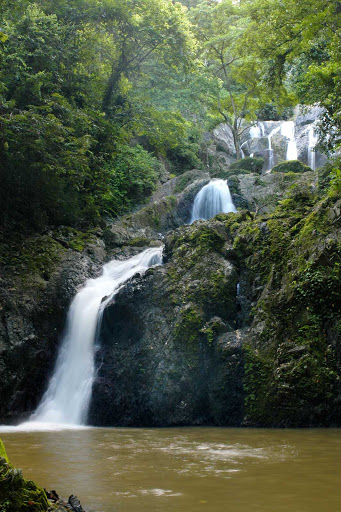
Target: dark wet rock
point(164, 355)
point(75, 503)
point(292, 350)
point(32, 316)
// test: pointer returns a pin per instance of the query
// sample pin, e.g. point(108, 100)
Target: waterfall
point(257, 131)
point(312, 141)
point(67, 398)
point(270, 150)
point(288, 131)
point(213, 198)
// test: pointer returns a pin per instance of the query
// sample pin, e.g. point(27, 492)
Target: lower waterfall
point(213, 198)
point(67, 398)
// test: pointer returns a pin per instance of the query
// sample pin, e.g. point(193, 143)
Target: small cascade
point(67, 398)
point(213, 198)
point(312, 141)
point(288, 131)
point(255, 132)
point(271, 159)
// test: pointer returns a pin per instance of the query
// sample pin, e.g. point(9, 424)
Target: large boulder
point(168, 352)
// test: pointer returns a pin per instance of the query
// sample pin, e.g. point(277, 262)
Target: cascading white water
point(312, 141)
point(271, 160)
point(67, 398)
point(262, 128)
point(213, 198)
point(288, 130)
point(255, 132)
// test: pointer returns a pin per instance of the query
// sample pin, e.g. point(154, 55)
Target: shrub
point(291, 166)
point(133, 176)
point(248, 164)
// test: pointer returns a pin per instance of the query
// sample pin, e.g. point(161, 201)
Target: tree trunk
point(236, 139)
point(114, 79)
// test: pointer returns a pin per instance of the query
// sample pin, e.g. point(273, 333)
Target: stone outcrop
point(258, 144)
point(168, 351)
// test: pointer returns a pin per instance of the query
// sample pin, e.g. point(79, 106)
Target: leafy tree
point(300, 45)
point(132, 175)
point(219, 28)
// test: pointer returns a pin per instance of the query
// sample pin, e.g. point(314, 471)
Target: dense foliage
point(83, 82)
point(72, 99)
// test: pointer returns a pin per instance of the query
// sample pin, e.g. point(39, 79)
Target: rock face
point(33, 314)
point(292, 352)
point(168, 352)
point(241, 325)
point(270, 140)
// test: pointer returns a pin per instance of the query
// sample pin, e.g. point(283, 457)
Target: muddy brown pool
point(186, 469)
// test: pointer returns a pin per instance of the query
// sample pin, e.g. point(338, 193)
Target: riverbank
point(18, 494)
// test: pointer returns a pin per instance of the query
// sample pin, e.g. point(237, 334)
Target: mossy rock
point(234, 185)
point(3, 451)
point(248, 164)
point(226, 175)
point(187, 178)
point(16, 493)
point(293, 363)
point(291, 166)
point(139, 242)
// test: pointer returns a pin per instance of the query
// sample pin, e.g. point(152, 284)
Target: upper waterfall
point(312, 141)
point(213, 198)
point(288, 131)
point(67, 398)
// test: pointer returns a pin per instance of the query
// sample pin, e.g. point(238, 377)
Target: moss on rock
point(248, 164)
point(3, 453)
point(293, 359)
point(291, 166)
point(16, 493)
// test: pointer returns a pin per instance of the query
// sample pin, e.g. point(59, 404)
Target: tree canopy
point(84, 82)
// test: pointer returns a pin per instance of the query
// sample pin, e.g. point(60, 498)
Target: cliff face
point(241, 325)
point(168, 352)
point(41, 275)
point(40, 278)
point(293, 357)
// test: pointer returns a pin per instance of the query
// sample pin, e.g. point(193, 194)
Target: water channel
point(185, 469)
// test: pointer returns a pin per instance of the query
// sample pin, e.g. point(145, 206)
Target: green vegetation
point(75, 89)
point(248, 164)
point(16, 493)
point(292, 367)
point(93, 94)
point(291, 166)
point(3, 451)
